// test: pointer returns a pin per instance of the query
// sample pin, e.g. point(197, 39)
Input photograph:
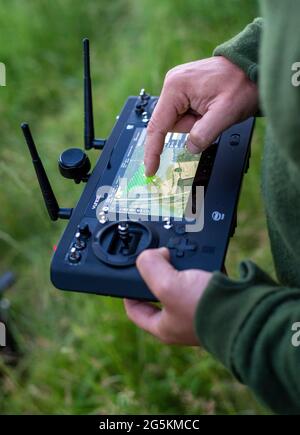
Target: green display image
point(164, 194)
point(139, 179)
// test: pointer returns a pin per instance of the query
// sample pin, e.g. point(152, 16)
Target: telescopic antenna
point(50, 200)
point(89, 132)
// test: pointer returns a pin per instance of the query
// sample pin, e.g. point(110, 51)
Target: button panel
point(142, 103)
point(180, 229)
point(181, 245)
point(77, 250)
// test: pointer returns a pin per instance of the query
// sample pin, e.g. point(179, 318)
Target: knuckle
point(151, 129)
point(174, 77)
point(170, 73)
point(155, 126)
point(165, 286)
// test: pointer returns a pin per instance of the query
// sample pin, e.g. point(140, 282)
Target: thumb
point(158, 273)
point(208, 128)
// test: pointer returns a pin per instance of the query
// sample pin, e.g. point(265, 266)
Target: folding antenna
point(51, 203)
point(89, 133)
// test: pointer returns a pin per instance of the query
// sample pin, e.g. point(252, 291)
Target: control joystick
point(119, 243)
point(142, 103)
point(123, 230)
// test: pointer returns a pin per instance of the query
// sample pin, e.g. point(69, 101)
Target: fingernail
point(162, 249)
point(192, 148)
point(147, 172)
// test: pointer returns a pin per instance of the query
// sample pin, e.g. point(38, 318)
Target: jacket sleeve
point(252, 326)
point(243, 49)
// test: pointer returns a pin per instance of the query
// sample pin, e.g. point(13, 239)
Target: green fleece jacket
point(251, 324)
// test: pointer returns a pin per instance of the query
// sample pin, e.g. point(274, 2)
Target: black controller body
point(222, 168)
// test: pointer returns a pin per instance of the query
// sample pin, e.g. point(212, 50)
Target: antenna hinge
point(98, 144)
point(65, 213)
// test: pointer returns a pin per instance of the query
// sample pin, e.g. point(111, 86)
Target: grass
point(81, 354)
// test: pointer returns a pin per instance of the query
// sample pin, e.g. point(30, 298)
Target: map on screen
point(164, 194)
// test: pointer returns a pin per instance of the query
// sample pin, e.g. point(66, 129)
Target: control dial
point(73, 163)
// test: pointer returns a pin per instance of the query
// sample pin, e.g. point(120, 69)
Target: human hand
point(179, 293)
point(204, 98)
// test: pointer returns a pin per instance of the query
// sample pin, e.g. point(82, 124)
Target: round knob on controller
point(73, 163)
point(84, 230)
point(74, 255)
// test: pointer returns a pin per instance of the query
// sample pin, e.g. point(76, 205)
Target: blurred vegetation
point(81, 354)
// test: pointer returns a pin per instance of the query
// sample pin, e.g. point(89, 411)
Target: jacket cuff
point(225, 307)
point(243, 49)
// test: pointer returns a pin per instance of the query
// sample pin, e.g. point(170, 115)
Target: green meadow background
point(80, 352)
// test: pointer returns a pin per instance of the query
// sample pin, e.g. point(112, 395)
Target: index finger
point(163, 119)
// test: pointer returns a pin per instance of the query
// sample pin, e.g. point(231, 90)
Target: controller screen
point(164, 194)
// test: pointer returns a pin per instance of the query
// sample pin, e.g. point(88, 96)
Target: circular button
point(74, 163)
point(73, 157)
point(84, 229)
point(74, 256)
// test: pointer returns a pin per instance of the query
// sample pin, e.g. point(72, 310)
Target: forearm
point(247, 325)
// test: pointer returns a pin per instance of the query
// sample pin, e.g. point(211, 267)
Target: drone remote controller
point(189, 206)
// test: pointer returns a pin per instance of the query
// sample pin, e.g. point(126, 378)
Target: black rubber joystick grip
point(124, 234)
point(73, 163)
point(119, 243)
